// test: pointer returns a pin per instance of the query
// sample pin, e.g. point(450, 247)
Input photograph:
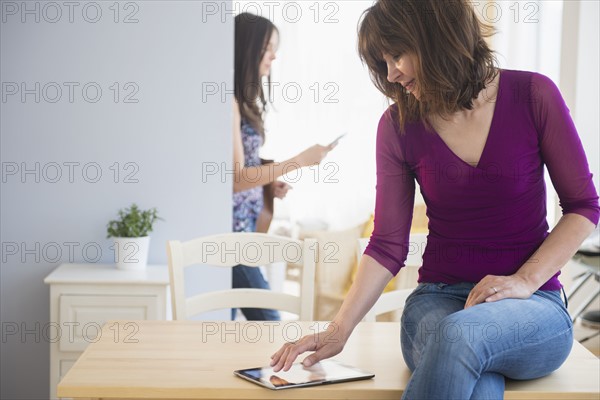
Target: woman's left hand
point(494, 288)
point(281, 189)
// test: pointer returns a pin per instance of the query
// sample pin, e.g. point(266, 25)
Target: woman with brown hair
point(256, 42)
point(476, 138)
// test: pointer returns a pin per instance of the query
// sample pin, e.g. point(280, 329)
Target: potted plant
point(130, 235)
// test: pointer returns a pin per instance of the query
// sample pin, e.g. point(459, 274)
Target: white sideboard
point(84, 296)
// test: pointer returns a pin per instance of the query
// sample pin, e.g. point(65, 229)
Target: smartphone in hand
point(337, 139)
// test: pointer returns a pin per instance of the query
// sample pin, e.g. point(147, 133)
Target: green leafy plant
point(133, 222)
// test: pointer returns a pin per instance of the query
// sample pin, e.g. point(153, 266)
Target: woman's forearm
point(245, 178)
point(371, 279)
point(555, 251)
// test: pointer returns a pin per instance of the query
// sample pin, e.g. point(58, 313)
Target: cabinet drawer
point(82, 316)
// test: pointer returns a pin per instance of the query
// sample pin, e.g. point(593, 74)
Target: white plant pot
point(131, 254)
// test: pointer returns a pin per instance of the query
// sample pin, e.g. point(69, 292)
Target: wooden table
point(195, 360)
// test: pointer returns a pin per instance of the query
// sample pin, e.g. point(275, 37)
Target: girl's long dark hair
point(252, 34)
point(453, 61)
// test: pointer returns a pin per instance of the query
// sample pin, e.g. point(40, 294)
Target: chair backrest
point(406, 280)
point(250, 249)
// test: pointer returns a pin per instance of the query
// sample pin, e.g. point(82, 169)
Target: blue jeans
point(466, 354)
point(251, 277)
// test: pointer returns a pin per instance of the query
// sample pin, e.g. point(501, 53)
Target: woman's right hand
point(325, 344)
point(313, 155)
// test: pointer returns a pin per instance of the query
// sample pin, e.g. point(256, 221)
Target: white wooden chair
point(334, 267)
point(406, 280)
point(252, 249)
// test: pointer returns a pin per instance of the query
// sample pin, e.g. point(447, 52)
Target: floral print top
point(248, 203)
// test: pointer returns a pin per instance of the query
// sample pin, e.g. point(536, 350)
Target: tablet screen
point(327, 371)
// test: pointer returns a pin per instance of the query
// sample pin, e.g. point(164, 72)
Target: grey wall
point(166, 135)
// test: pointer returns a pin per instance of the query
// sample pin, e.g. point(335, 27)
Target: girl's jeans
point(251, 277)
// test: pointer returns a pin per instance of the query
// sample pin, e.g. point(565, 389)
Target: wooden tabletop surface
point(193, 359)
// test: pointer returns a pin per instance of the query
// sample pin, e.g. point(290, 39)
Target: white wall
point(165, 57)
point(587, 95)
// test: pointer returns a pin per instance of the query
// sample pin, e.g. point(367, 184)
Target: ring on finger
point(495, 290)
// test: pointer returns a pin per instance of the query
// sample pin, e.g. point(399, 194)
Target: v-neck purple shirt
point(491, 218)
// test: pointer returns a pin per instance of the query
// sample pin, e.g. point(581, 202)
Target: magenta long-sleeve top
point(491, 218)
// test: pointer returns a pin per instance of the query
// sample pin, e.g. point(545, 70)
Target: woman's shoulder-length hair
point(453, 61)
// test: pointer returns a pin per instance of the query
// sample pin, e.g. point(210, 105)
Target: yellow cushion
point(337, 255)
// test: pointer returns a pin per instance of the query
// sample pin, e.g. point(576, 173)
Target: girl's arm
point(245, 178)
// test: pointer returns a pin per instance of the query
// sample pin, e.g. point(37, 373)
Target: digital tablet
point(321, 373)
